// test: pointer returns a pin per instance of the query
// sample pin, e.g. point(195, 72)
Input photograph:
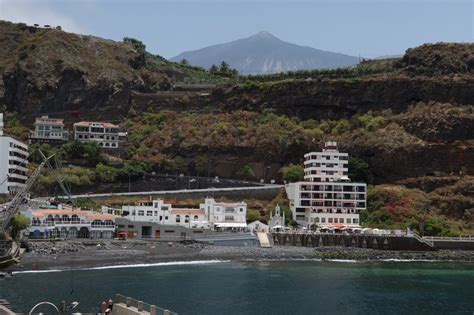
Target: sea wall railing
point(141, 306)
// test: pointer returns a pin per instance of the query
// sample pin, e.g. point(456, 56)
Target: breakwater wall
point(382, 242)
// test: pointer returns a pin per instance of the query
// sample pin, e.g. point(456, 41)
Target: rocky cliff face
point(50, 71)
point(342, 98)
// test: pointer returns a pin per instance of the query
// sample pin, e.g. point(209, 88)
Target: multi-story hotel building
point(13, 163)
point(107, 135)
point(327, 197)
point(49, 130)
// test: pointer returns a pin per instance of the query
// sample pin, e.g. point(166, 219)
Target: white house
point(13, 163)
point(107, 135)
point(327, 197)
point(224, 215)
point(49, 130)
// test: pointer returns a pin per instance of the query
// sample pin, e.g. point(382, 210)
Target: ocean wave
point(158, 264)
point(343, 260)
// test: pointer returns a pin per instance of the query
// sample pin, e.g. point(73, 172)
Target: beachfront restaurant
point(69, 224)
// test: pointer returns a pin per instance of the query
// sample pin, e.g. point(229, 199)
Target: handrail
point(452, 238)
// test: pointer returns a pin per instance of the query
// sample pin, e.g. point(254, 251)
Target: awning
point(231, 224)
point(339, 226)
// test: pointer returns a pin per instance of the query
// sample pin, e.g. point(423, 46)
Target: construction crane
point(22, 195)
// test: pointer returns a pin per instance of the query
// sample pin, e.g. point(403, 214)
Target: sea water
point(223, 287)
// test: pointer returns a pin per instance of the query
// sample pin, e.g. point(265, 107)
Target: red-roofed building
point(70, 224)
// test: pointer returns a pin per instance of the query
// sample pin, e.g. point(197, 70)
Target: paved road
point(162, 192)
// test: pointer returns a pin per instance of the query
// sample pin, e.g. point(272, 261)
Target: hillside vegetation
point(408, 123)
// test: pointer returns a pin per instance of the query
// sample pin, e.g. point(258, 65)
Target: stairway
point(263, 239)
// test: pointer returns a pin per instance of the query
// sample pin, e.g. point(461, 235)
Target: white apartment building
point(224, 215)
point(13, 163)
point(50, 130)
point(211, 214)
point(326, 197)
point(157, 211)
point(107, 135)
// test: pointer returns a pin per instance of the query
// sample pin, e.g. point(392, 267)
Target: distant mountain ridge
point(264, 53)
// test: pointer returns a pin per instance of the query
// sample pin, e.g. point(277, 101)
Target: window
point(130, 226)
point(166, 217)
point(229, 218)
point(161, 217)
point(323, 220)
point(156, 213)
point(134, 213)
point(330, 220)
point(316, 219)
point(186, 219)
point(196, 218)
point(178, 218)
point(356, 221)
point(141, 212)
point(149, 213)
point(348, 220)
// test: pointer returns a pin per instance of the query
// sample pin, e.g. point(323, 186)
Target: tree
point(224, 68)
point(19, 223)
point(74, 149)
point(105, 173)
point(214, 70)
point(246, 172)
point(93, 152)
point(359, 170)
point(201, 164)
point(292, 173)
point(184, 62)
point(252, 215)
point(135, 42)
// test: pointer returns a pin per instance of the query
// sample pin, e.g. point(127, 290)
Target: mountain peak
point(265, 53)
point(264, 35)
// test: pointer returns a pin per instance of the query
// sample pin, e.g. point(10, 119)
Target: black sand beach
point(87, 254)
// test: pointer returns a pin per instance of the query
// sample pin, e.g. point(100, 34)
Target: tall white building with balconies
point(327, 197)
point(326, 166)
point(13, 163)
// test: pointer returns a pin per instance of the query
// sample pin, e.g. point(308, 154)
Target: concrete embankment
point(380, 242)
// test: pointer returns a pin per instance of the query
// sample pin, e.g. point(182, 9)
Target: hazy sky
point(368, 28)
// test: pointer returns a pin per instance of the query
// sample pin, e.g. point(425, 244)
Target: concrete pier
point(382, 242)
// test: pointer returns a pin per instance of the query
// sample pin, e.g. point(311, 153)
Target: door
point(157, 234)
